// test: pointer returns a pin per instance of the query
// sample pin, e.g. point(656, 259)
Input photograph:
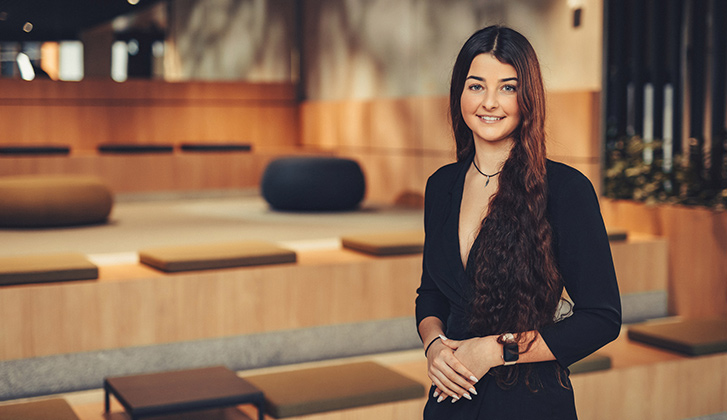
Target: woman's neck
point(490, 156)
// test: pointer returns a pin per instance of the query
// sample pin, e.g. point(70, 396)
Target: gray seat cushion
point(314, 390)
point(693, 337)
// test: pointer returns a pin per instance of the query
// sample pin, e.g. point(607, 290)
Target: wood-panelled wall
point(87, 113)
point(398, 141)
point(178, 171)
point(84, 114)
point(401, 141)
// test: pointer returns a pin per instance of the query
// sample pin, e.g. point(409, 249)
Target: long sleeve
point(430, 301)
point(584, 258)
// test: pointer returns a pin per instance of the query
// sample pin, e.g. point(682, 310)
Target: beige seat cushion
point(46, 268)
point(591, 363)
point(313, 390)
point(51, 201)
point(211, 256)
point(386, 243)
point(693, 337)
point(55, 409)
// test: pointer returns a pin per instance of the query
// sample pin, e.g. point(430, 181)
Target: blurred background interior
point(178, 107)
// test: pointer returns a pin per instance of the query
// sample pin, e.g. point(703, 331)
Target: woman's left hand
point(478, 354)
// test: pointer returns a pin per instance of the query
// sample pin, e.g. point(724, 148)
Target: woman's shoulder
point(445, 175)
point(565, 179)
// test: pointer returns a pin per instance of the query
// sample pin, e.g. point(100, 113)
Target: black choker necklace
point(486, 176)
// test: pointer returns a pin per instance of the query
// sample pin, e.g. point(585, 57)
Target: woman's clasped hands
point(456, 366)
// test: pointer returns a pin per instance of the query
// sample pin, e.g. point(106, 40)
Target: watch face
point(510, 352)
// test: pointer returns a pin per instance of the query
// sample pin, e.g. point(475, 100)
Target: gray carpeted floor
point(143, 221)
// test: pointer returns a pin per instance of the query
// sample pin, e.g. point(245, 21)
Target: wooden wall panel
point(572, 125)
point(414, 134)
point(179, 171)
point(84, 114)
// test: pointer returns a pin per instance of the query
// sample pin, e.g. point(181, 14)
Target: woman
point(506, 231)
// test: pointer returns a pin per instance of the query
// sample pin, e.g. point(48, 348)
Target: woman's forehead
point(486, 66)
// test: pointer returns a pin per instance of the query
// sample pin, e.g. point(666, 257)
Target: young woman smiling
point(506, 232)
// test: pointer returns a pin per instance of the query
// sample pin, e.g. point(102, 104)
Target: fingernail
point(474, 379)
point(473, 391)
point(442, 337)
point(436, 394)
point(440, 399)
point(454, 400)
point(466, 395)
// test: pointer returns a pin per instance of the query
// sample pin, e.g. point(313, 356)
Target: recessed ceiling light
point(28, 27)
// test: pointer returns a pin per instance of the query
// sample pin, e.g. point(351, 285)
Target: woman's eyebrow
point(482, 79)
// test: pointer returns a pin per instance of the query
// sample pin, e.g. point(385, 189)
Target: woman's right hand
point(450, 377)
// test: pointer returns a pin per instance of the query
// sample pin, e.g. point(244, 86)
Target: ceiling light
point(28, 27)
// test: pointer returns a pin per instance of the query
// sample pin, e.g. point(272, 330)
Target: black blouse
point(581, 249)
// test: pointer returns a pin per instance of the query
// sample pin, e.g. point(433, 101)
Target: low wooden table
point(163, 393)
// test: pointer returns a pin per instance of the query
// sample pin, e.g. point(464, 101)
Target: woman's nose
point(489, 100)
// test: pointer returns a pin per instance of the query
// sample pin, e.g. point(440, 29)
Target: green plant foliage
point(628, 176)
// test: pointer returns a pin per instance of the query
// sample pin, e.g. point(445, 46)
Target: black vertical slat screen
point(676, 49)
point(696, 56)
point(719, 91)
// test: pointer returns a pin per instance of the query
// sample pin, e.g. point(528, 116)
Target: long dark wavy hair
point(516, 282)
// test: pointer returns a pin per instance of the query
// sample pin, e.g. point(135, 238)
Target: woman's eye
point(475, 87)
point(509, 88)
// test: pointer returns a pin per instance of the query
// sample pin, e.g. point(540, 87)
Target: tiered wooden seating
point(641, 265)
point(324, 287)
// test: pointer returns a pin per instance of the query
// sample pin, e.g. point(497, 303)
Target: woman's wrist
point(493, 350)
point(426, 349)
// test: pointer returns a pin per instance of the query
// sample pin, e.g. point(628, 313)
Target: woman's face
point(489, 100)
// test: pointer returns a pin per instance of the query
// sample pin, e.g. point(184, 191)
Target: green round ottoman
point(53, 200)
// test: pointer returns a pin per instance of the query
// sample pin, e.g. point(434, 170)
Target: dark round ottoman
point(313, 184)
point(52, 201)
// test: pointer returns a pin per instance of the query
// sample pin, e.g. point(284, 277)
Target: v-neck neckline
point(458, 194)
